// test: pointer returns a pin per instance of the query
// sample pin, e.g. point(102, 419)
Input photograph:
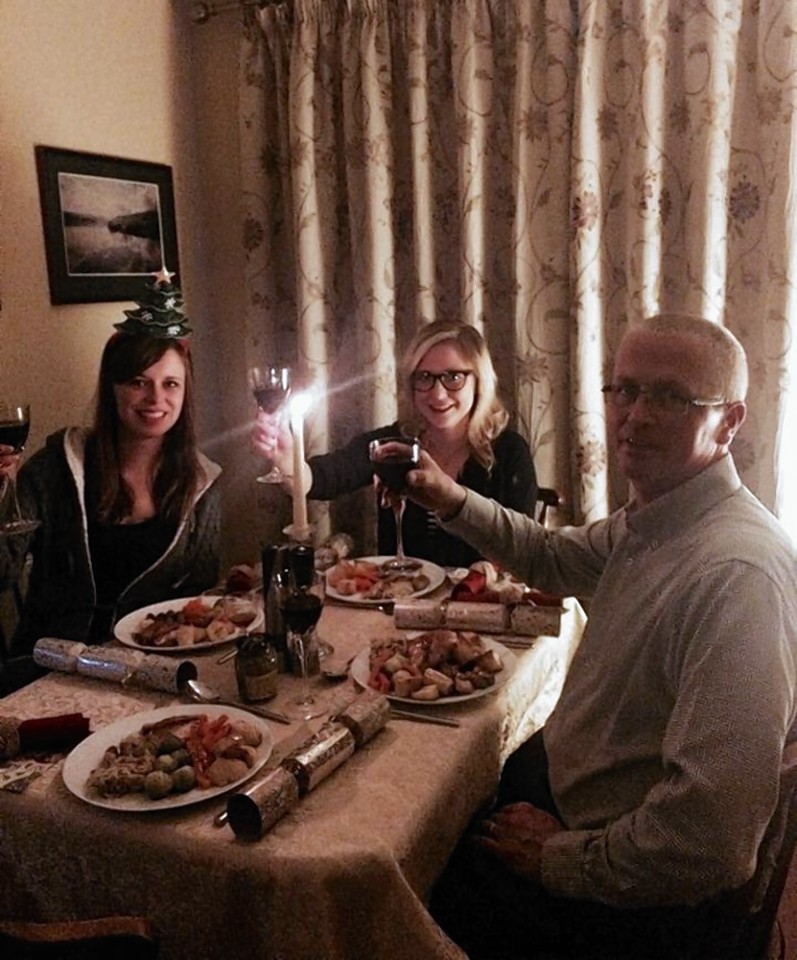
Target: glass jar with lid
point(256, 668)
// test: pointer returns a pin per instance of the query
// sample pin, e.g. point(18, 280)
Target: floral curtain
point(547, 171)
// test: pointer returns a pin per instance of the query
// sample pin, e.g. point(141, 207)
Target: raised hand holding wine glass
point(393, 457)
point(14, 429)
point(271, 386)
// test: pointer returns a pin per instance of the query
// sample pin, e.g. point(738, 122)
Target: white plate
point(436, 575)
point(127, 626)
point(88, 754)
point(361, 671)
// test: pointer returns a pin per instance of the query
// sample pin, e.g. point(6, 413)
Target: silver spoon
point(201, 692)
point(336, 669)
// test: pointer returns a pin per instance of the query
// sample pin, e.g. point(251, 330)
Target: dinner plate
point(436, 575)
point(361, 671)
point(128, 625)
point(87, 755)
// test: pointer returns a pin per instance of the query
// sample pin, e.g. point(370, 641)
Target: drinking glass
point(393, 458)
point(301, 602)
point(14, 429)
point(271, 387)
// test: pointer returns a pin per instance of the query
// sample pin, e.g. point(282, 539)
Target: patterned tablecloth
point(345, 875)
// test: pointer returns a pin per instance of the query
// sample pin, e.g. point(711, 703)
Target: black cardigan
point(512, 482)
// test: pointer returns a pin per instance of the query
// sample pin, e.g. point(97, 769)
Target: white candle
point(299, 499)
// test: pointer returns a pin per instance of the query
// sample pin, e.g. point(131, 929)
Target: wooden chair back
point(104, 938)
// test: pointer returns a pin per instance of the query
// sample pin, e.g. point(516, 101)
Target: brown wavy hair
point(179, 471)
point(489, 416)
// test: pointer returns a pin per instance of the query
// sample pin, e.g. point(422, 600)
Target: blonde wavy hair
point(488, 416)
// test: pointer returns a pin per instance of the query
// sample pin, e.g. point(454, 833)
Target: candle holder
point(299, 534)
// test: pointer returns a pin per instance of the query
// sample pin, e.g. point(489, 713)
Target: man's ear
point(732, 419)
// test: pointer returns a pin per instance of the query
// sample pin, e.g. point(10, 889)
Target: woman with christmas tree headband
point(129, 510)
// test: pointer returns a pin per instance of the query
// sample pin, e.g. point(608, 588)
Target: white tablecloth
point(344, 876)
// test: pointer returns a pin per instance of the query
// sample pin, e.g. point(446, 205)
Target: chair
point(759, 936)
point(547, 498)
point(743, 923)
point(105, 938)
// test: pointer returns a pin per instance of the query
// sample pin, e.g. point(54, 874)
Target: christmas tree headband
point(159, 312)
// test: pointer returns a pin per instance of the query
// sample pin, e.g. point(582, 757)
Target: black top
point(512, 482)
point(120, 552)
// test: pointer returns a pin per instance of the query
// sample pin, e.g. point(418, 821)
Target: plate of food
point(167, 758)
point(191, 623)
point(367, 580)
point(434, 667)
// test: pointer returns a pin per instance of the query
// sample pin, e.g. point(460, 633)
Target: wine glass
point(271, 387)
point(393, 458)
point(301, 601)
point(14, 429)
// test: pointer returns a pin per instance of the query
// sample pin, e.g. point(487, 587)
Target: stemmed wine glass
point(271, 387)
point(301, 599)
point(393, 458)
point(14, 429)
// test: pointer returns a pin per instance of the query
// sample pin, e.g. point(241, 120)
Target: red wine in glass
point(301, 607)
point(301, 611)
point(392, 459)
point(14, 434)
point(271, 398)
point(14, 429)
point(271, 386)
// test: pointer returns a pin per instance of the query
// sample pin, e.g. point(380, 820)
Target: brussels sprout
point(169, 743)
point(166, 762)
point(184, 779)
point(158, 784)
point(182, 757)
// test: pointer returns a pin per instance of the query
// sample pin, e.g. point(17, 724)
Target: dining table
point(345, 875)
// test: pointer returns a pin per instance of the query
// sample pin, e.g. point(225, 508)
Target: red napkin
point(543, 599)
point(471, 589)
point(42, 735)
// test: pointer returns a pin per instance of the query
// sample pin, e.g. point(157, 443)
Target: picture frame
point(109, 224)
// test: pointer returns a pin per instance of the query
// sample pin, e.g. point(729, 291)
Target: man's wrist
point(454, 512)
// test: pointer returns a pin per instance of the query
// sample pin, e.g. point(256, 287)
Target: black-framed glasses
point(453, 380)
point(660, 400)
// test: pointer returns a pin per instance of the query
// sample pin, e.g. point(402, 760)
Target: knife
point(423, 717)
point(258, 711)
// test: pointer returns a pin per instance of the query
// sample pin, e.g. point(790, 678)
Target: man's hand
point(431, 487)
point(515, 834)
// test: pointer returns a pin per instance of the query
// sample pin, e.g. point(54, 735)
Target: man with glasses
point(620, 828)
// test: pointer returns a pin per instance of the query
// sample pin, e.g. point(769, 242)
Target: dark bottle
point(302, 565)
point(276, 570)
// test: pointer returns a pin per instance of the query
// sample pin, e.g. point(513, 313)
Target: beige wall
point(135, 79)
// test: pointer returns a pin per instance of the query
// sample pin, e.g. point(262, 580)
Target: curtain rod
point(202, 11)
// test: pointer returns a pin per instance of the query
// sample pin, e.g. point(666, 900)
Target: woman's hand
point(273, 440)
point(9, 461)
point(431, 487)
point(515, 834)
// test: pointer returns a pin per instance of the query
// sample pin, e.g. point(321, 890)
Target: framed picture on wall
point(109, 224)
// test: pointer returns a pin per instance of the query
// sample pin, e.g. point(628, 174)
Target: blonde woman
point(449, 399)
